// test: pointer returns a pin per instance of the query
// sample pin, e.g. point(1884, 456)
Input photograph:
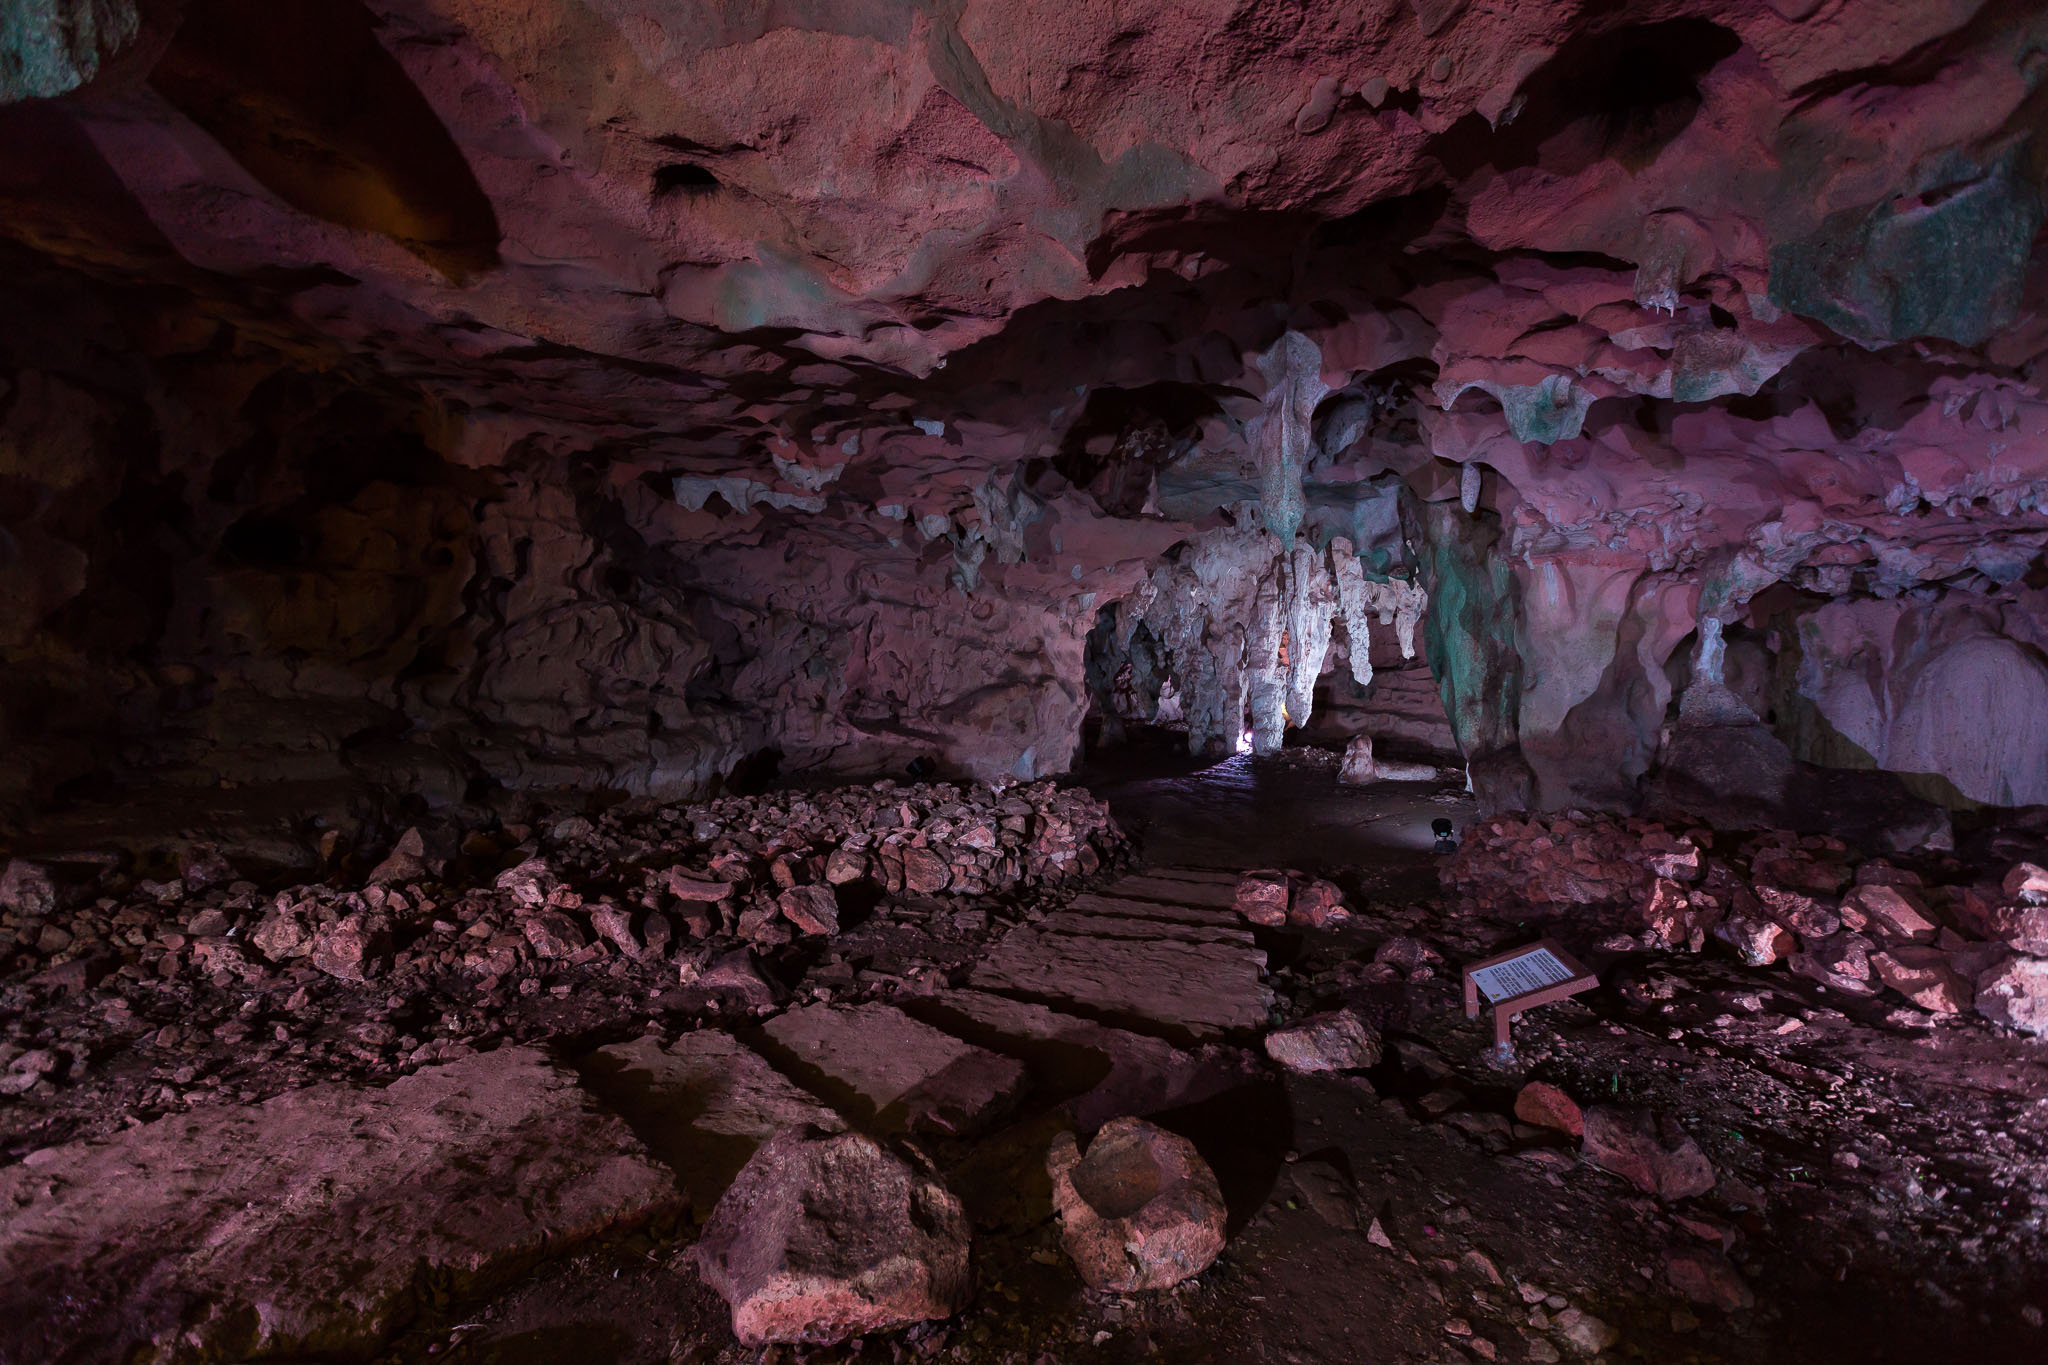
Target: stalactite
point(1281, 435)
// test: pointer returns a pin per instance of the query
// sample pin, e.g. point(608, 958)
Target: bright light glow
point(1244, 742)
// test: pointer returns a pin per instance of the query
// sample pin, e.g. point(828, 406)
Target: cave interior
point(691, 682)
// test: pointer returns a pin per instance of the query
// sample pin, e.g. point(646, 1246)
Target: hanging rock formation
point(586, 406)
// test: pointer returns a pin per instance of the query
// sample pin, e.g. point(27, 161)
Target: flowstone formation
point(634, 398)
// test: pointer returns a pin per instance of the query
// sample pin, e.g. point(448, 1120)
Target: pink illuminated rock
point(821, 1238)
point(2027, 882)
point(1756, 940)
point(1263, 898)
point(1317, 905)
point(1925, 976)
point(812, 909)
point(1337, 1041)
point(1892, 912)
point(2015, 993)
point(553, 934)
point(322, 1216)
point(355, 947)
point(1706, 1277)
point(1138, 1210)
point(1546, 1106)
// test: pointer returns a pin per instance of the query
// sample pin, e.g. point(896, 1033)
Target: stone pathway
point(1158, 952)
point(317, 1222)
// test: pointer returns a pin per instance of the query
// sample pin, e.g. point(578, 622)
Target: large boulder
point(1139, 1210)
point(823, 1237)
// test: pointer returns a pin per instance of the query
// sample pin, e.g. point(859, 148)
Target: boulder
point(1263, 898)
point(1584, 1333)
point(845, 865)
point(1358, 768)
point(1337, 1041)
point(812, 909)
point(553, 934)
point(695, 890)
point(614, 924)
point(2027, 882)
point(2022, 927)
point(825, 1237)
point(2015, 993)
point(1704, 1276)
point(1139, 1210)
point(1891, 912)
point(704, 1104)
point(1841, 962)
point(1546, 1106)
point(26, 889)
point(1649, 1151)
point(925, 873)
point(1317, 905)
point(1800, 913)
point(1758, 941)
point(355, 947)
point(1670, 917)
point(896, 1073)
point(406, 863)
point(530, 883)
point(1194, 986)
point(1924, 976)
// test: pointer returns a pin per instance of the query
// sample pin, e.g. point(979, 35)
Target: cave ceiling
point(1695, 297)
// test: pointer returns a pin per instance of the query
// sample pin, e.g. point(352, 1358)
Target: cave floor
point(1882, 1182)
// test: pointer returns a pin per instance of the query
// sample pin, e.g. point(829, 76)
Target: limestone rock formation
point(548, 423)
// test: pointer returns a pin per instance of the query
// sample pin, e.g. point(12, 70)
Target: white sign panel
point(1530, 971)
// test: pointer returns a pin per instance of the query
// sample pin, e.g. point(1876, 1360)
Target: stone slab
point(1155, 910)
point(1216, 895)
point(311, 1225)
point(1106, 1071)
point(1129, 926)
point(889, 1072)
point(703, 1105)
point(1195, 991)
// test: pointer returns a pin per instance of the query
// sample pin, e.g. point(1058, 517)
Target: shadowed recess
point(310, 104)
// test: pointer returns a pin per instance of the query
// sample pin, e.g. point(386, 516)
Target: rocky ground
point(486, 1103)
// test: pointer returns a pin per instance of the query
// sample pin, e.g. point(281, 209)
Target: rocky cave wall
point(442, 398)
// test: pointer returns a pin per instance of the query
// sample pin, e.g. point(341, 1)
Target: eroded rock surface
point(315, 1223)
point(1139, 1209)
point(827, 1237)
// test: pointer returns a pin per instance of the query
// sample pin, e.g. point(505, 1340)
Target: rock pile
point(1856, 927)
point(761, 869)
point(193, 985)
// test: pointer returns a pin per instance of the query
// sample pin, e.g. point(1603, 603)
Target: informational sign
point(1525, 974)
point(1521, 979)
